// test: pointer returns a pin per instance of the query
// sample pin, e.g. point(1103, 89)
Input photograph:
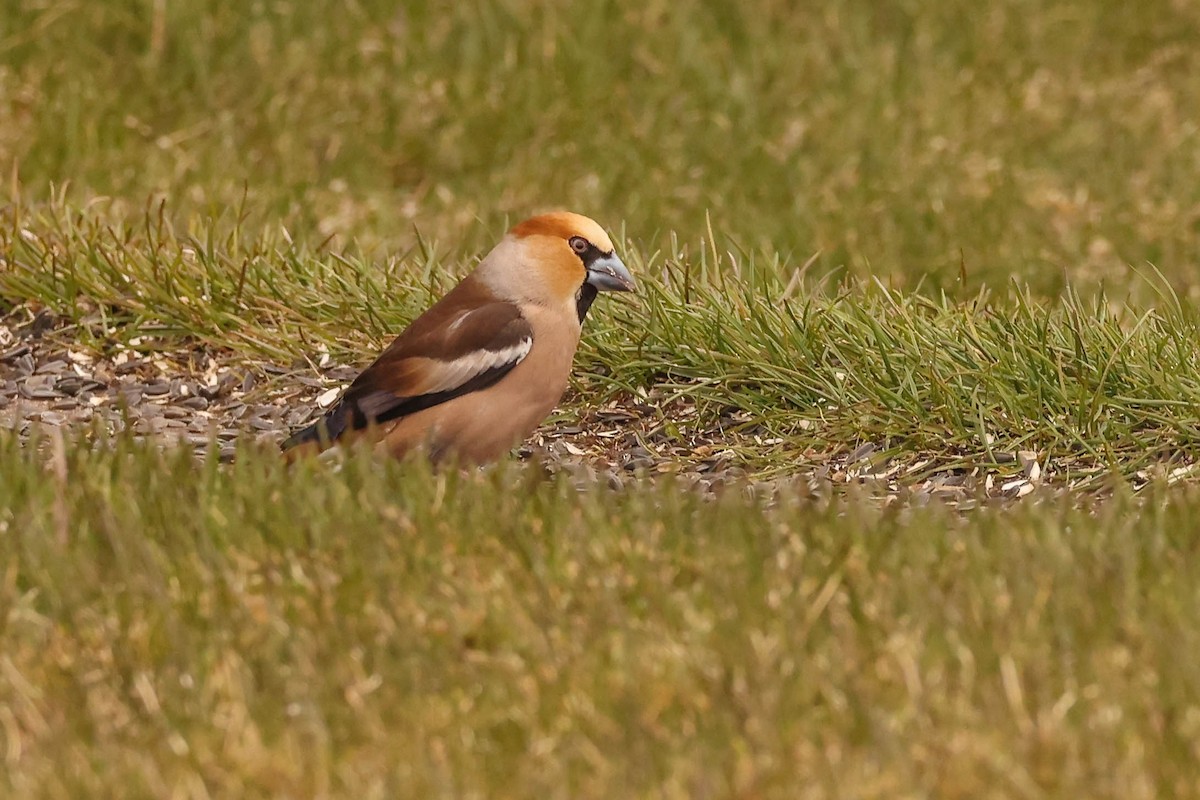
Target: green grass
point(1094, 387)
point(905, 139)
point(951, 231)
point(383, 632)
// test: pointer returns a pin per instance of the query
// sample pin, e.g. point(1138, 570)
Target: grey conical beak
point(608, 274)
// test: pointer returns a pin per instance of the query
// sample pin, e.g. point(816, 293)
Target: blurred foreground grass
point(259, 632)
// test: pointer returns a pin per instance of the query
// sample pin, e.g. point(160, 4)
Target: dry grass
point(383, 632)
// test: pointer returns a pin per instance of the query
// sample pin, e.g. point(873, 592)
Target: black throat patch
point(583, 300)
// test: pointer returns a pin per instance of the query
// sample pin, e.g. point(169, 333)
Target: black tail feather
point(313, 433)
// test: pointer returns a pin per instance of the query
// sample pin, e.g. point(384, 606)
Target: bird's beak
point(608, 274)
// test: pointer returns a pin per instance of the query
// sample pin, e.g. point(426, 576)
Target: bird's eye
point(579, 244)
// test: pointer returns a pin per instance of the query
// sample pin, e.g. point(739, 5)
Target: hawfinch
point(474, 375)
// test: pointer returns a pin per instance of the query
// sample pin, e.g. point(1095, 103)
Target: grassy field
point(937, 234)
point(389, 633)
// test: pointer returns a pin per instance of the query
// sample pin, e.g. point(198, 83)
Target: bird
point(475, 374)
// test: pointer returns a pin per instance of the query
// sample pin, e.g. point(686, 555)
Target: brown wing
point(464, 343)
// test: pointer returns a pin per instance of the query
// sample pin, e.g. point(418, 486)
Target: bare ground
point(192, 395)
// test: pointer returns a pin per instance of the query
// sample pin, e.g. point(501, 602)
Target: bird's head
point(556, 258)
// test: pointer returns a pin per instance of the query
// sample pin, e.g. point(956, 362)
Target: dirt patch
point(211, 399)
point(200, 397)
